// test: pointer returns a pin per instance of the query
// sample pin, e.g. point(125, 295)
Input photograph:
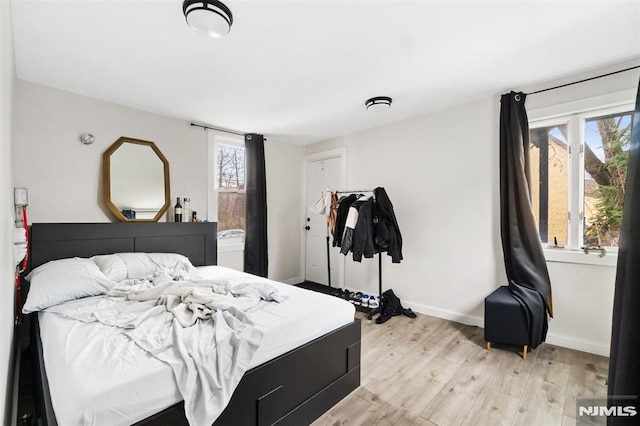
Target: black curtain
point(524, 260)
point(255, 243)
point(624, 361)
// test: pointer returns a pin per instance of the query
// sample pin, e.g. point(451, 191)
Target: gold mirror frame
point(106, 177)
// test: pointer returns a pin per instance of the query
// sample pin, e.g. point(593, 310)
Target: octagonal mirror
point(136, 180)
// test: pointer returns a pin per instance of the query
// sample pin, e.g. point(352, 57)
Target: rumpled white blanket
point(192, 299)
point(208, 357)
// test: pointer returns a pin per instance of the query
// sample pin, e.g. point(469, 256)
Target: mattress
point(97, 376)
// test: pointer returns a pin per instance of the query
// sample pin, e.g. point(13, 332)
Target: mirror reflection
point(136, 180)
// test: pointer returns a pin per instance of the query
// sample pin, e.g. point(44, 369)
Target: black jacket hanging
point(350, 226)
point(387, 231)
point(363, 233)
point(341, 217)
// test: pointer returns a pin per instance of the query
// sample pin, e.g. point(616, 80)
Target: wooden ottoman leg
point(488, 346)
point(524, 353)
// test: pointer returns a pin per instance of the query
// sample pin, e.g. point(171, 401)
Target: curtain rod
point(582, 81)
point(220, 129)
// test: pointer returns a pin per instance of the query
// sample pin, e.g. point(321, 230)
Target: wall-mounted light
point(378, 104)
point(87, 138)
point(208, 17)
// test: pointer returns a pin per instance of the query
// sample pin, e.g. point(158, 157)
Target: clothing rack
point(353, 191)
point(328, 237)
point(378, 309)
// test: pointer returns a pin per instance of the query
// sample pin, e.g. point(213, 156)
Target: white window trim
point(574, 113)
point(215, 137)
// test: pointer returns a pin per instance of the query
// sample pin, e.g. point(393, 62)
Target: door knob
point(307, 227)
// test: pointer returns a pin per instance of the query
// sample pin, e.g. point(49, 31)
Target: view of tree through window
point(606, 152)
point(606, 155)
point(231, 190)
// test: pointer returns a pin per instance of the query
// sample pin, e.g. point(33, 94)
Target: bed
point(292, 381)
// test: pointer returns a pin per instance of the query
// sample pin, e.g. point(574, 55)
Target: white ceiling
point(300, 70)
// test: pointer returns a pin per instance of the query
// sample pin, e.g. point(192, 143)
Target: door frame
point(319, 156)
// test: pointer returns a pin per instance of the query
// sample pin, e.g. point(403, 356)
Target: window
point(229, 177)
point(549, 169)
point(578, 167)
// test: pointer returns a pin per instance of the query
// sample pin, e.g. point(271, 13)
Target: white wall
point(284, 198)
point(64, 176)
point(441, 172)
point(7, 261)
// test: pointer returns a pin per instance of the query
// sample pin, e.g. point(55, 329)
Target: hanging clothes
point(387, 231)
point(331, 218)
point(350, 226)
point(367, 225)
point(363, 234)
point(326, 205)
point(341, 217)
point(323, 205)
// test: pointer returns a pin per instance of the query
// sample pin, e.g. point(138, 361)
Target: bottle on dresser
point(186, 209)
point(177, 211)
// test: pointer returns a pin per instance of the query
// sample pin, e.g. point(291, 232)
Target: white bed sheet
point(97, 376)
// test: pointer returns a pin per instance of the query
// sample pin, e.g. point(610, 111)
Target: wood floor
point(429, 371)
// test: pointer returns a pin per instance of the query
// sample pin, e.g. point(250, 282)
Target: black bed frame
point(292, 389)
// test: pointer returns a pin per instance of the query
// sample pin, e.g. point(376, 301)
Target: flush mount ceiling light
point(208, 17)
point(378, 104)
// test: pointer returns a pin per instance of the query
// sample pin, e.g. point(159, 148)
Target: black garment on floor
point(535, 312)
point(390, 306)
point(341, 217)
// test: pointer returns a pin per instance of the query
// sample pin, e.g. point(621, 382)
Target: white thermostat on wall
point(21, 197)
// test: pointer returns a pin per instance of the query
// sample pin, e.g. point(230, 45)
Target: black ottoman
point(504, 320)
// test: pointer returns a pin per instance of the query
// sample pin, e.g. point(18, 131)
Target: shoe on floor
point(373, 302)
point(407, 312)
point(382, 318)
point(366, 301)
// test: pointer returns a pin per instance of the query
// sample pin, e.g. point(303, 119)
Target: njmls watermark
point(596, 411)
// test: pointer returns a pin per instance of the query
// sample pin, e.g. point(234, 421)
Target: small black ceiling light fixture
point(210, 18)
point(378, 103)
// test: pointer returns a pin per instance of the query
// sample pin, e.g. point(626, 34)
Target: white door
point(321, 174)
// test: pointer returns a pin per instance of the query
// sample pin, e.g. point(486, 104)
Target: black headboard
point(51, 241)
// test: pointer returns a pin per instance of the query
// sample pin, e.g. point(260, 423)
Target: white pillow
point(62, 280)
point(112, 266)
point(120, 266)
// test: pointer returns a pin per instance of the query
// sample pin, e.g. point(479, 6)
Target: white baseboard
point(553, 339)
point(444, 314)
point(579, 345)
point(293, 281)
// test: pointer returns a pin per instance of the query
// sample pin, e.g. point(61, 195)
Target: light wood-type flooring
point(430, 371)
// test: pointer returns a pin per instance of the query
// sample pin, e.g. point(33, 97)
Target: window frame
point(216, 138)
point(575, 115)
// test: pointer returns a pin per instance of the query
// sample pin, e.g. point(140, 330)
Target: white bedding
point(97, 376)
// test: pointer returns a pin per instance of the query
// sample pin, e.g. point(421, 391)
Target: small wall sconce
point(87, 138)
